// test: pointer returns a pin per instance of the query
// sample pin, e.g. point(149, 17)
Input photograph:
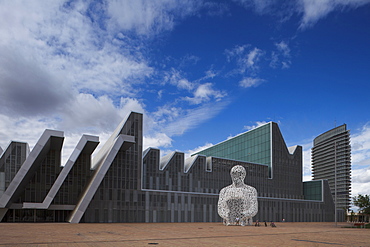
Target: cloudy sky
point(200, 71)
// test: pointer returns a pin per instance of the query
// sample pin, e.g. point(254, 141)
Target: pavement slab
point(181, 234)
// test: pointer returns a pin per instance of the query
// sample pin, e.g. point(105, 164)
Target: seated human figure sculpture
point(237, 203)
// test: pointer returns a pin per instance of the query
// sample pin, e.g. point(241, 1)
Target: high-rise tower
point(331, 160)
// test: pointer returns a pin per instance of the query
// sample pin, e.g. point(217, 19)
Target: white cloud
point(285, 64)
point(70, 142)
point(257, 124)
point(174, 121)
point(250, 82)
point(160, 93)
point(175, 78)
point(314, 10)
point(84, 115)
point(237, 51)
point(361, 181)
point(193, 117)
point(252, 57)
point(156, 141)
point(311, 11)
point(209, 74)
point(360, 143)
point(167, 113)
point(188, 153)
point(57, 67)
point(283, 48)
point(99, 112)
point(29, 130)
point(205, 93)
point(149, 17)
point(306, 159)
point(281, 57)
point(361, 175)
point(67, 41)
point(87, 113)
point(23, 129)
point(131, 104)
point(360, 188)
point(184, 83)
point(246, 58)
point(80, 67)
point(274, 59)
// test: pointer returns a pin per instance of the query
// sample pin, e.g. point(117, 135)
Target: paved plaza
point(181, 234)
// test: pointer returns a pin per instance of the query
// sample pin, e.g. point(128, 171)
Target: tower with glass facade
point(331, 160)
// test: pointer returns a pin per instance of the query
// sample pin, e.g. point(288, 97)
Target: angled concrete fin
point(146, 151)
point(121, 142)
point(189, 162)
point(87, 144)
point(167, 160)
point(49, 139)
point(103, 152)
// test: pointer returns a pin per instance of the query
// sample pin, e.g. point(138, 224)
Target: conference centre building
point(123, 183)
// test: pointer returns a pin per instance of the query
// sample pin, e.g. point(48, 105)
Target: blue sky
point(199, 71)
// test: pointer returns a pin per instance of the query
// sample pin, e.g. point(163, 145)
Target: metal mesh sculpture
point(237, 203)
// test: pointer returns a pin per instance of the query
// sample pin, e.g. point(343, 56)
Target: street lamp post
point(335, 182)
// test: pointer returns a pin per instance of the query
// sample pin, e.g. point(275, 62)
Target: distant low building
point(358, 217)
point(124, 184)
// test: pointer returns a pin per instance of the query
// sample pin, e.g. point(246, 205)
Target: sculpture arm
point(222, 208)
point(253, 209)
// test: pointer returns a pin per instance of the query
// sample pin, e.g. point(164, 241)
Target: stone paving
point(181, 234)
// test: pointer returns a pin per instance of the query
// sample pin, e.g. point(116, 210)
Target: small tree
point(363, 202)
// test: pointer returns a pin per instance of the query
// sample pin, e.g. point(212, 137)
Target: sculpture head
point(238, 174)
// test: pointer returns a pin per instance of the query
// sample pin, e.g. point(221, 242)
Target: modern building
point(331, 160)
point(123, 183)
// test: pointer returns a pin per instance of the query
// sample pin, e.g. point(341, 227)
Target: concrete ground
point(181, 234)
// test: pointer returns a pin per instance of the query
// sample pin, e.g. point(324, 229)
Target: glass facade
point(312, 190)
point(252, 146)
